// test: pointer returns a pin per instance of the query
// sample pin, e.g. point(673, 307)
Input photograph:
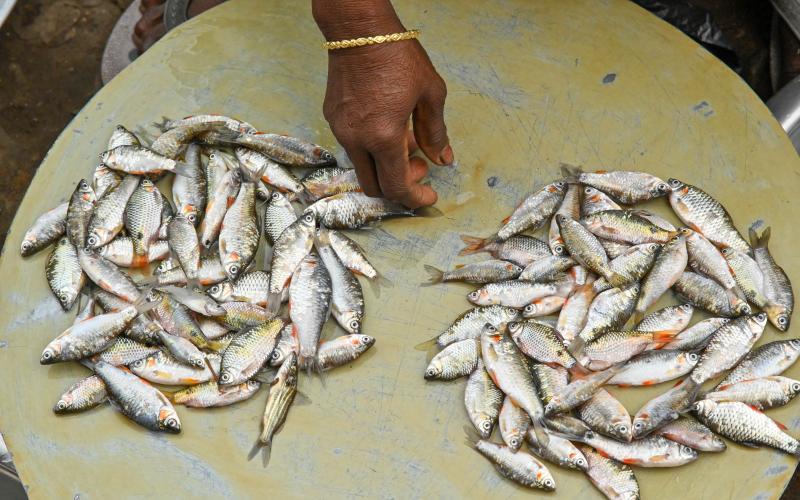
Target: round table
point(531, 85)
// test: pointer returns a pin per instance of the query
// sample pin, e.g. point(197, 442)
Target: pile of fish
point(557, 319)
point(206, 319)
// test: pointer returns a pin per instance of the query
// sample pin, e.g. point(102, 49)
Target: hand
point(371, 94)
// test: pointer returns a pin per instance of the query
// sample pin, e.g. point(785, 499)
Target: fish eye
point(275, 355)
point(61, 405)
point(638, 426)
point(675, 183)
point(549, 483)
point(308, 218)
point(663, 188)
point(486, 425)
point(559, 249)
point(430, 372)
point(354, 324)
point(761, 317)
point(581, 462)
point(26, 245)
point(84, 185)
point(366, 339)
point(473, 295)
point(212, 156)
point(214, 289)
point(171, 422)
point(225, 377)
point(326, 155)
point(92, 241)
point(795, 343)
point(693, 356)
point(490, 328)
point(796, 387)
point(687, 307)
point(47, 354)
point(191, 217)
point(530, 308)
point(782, 320)
point(654, 246)
point(588, 190)
point(138, 363)
point(275, 196)
point(513, 442)
point(234, 269)
point(623, 429)
point(560, 184)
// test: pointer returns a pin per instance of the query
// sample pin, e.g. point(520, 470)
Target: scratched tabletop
point(531, 85)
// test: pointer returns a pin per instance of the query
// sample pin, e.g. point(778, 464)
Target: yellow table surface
point(531, 84)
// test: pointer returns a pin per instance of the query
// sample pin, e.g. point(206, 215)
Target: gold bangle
point(371, 40)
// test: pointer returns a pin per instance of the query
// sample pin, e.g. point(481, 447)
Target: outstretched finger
point(396, 177)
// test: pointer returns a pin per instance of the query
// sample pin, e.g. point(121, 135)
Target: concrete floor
point(50, 53)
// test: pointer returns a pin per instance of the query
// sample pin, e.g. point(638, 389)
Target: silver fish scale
point(79, 213)
point(762, 393)
point(742, 424)
point(549, 380)
point(521, 250)
point(104, 179)
point(278, 215)
point(83, 395)
point(342, 350)
point(310, 296)
point(456, 360)
point(729, 344)
point(251, 287)
point(765, 361)
point(604, 414)
point(239, 235)
point(64, 274)
point(248, 351)
point(46, 229)
point(136, 399)
point(324, 182)
point(704, 293)
point(534, 210)
point(615, 479)
point(347, 300)
point(518, 466)
point(626, 187)
point(107, 218)
point(143, 216)
point(470, 324)
point(189, 191)
point(706, 215)
point(777, 287)
point(483, 400)
point(354, 210)
point(184, 244)
point(286, 345)
point(124, 351)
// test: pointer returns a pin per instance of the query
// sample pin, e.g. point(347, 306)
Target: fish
point(630, 266)
point(650, 451)
point(121, 136)
point(519, 466)
point(139, 160)
point(184, 245)
point(626, 187)
point(347, 299)
point(120, 251)
point(655, 219)
point(85, 394)
point(282, 391)
point(290, 249)
point(286, 344)
point(570, 207)
point(45, 230)
point(329, 181)
point(751, 282)
point(141, 328)
point(574, 312)
point(224, 195)
point(210, 328)
point(509, 370)
point(487, 271)
point(596, 201)
point(240, 315)
point(189, 192)
point(355, 210)
point(705, 258)
point(522, 250)
point(744, 425)
point(558, 450)
point(310, 296)
point(470, 324)
point(603, 413)
point(278, 215)
point(258, 166)
point(670, 319)
point(578, 391)
point(182, 349)
point(286, 150)
point(697, 335)
point(143, 215)
point(549, 379)
point(458, 359)
point(609, 310)
point(177, 319)
point(534, 210)
point(172, 142)
point(654, 367)
point(162, 368)
point(625, 226)
point(352, 256)
point(104, 179)
point(252, 287)
point(776, 286)
point(613, 478)
point(698, 210)
point(107, 218)
point(210, 395)
point(544, 306)
point(614, 347)
point(515, 293)
point(483, 400)
point(664, 408)
point(693, 434)
point(584, 247)
point(667, 269)
point(124, 351)
point(107, 276)
point(545, 269)
point(706, 294)
point(248, 352)
point(64, 274)
point(342, 350)
point(91, 336)
point(728, 345)
point(540, 343)
point(87, 311)
point(231, 123)
point(137, 400)
point(210, 272)
point(514, 424)
point(214, 171)
point(761, 393)
point(79, 213)
point(767, 360)
point(239, 234)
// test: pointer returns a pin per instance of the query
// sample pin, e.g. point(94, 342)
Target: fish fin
point(183, 169)
point(757, 241)
point(505, 220)
point(274, 303)
point(637, 317)
point(378, 282)
point(471, 435)
point(194, 284)
point(88, 363)
point(625, 386)
point(427, 345)
point(570, 172)
point(749, 444)
point(578, 371)
point(162, 125)
point(264, 448)
point(663, 337)
point(430, 212)
point(541, 433)
point(210, 367)
point(435, 276)
point(474, 244)
point(616, 280)
point(576, 346)
point(264, 375)
point(301, 399)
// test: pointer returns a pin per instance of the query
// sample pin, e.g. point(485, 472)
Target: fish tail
point(541, 433)
point(578, 371)
point(615, 279)
point(663, 338)
point(273, 303)
point(184, 169)
point(378, 282)
point(162, 125)
point(757, 241)
point(194, 284)
point(264, 445)
point(570, 172)
point(471, 436)
point(435, 275)
point(427, 345)
point(576, 346)
point(474, 244)
point(142, 305)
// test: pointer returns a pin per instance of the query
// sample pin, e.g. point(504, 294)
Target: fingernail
point(446, 158)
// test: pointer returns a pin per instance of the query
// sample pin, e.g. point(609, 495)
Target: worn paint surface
point(530, 86)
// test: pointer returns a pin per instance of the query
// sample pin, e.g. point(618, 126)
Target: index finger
point(397, 179)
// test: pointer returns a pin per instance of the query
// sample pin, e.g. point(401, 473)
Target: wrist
point(346, 19)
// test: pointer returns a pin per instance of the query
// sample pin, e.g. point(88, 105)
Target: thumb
point(429, 128)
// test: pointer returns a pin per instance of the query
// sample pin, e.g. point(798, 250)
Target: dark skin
point(382, 102)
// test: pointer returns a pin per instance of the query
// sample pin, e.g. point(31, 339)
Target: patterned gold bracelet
point(371, 40)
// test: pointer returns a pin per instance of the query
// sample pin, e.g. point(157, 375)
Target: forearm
point(345, 19)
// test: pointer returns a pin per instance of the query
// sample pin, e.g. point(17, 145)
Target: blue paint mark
point(3, 343)
point(492, 181)
point(775, 470)
point(704, 108)
point(609, 78)
point(337, 451)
